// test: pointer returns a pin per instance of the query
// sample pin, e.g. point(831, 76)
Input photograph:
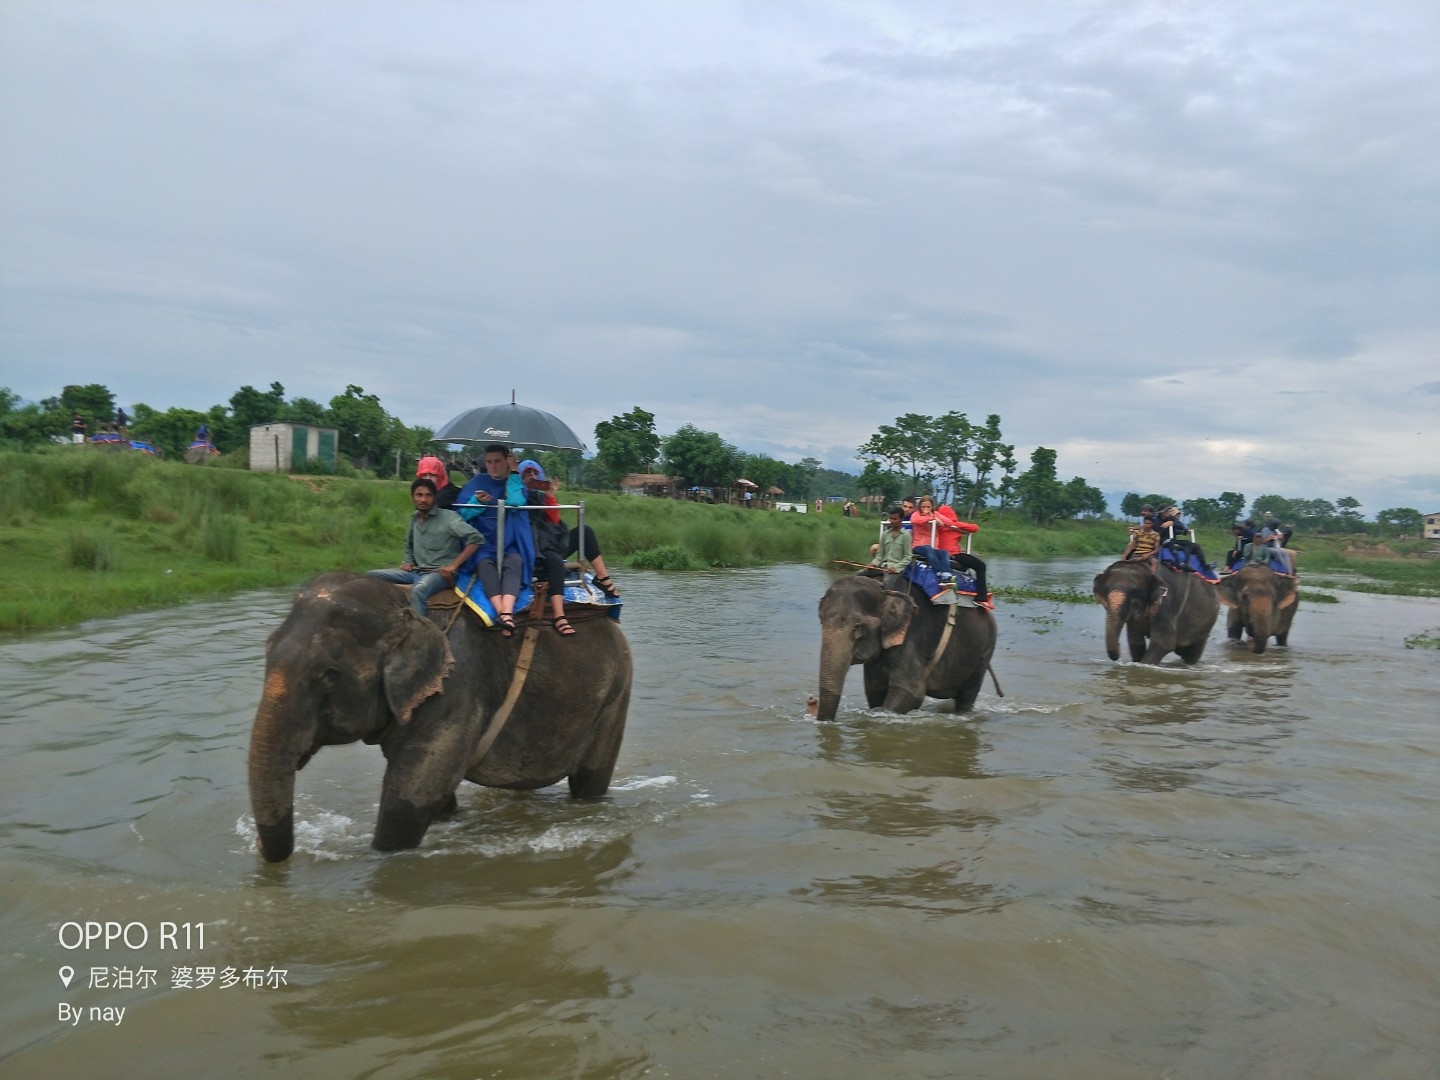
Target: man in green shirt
point(894, 550)
point(436, 545)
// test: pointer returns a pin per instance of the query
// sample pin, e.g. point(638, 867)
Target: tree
point(983, 458)
point(803, 475)
point(907, 445)
point(304, 410)
point(1349, 508)
point(883, 482)
point(1133, 504)
point(1232, 504)
point(92, 401)
point(699, 458)
point(1401, 519)
point(31, 424)
point(627, 444)
point(171, 430)
point(1207, 512)
point(1006, 489)
point(249, 408)
point(764, 471)
point(1041, 494)
point(1082, 498)
point(360, 421)
point(951, 439)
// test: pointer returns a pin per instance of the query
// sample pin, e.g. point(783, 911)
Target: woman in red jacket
point(937, 540)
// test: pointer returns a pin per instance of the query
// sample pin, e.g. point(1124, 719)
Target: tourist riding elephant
point(351, 661)
point(896, 635)
point(1163, 611)
point(1261, 602)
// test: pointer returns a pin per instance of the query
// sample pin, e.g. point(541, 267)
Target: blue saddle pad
point(924, 576)
point(1185, 560)
point(468, 586)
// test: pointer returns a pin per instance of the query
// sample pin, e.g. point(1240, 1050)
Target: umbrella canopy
point(747, 483)
point(513, 425)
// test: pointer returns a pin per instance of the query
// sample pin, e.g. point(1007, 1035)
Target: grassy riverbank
point(88, 533)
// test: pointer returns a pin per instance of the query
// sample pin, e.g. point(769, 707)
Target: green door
point(327, 448)
point(299, 443)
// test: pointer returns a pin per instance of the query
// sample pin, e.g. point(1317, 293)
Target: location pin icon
point(66, 974)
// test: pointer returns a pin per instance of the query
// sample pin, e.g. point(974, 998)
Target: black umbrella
point(513, 425)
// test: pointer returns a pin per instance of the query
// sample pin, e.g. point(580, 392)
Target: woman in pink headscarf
point(445, 490)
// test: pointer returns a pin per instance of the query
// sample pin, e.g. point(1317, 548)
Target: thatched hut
point(653, 485)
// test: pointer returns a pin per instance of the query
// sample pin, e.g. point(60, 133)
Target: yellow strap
point(517, 684)
point(944, 640)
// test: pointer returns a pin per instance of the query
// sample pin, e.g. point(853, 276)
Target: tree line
point(959, 461)
point(1309, 515)
point(948, 456)
point(369, 437)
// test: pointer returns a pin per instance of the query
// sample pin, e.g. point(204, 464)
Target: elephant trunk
point(1114, 619)
point(274, 757)
point(1261, 616)
point(835, 659)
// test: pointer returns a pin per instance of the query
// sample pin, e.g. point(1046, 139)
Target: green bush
point(669, 557)
point(220, 537)
point(86, 551)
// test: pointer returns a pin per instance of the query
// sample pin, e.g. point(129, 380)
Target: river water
point(1113, 871)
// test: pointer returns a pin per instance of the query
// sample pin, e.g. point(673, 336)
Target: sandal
point(506, 622)
point(607, 586)
point(562, 626)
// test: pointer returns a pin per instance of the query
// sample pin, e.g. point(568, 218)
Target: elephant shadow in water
point(1261, 603)
point(897, 636)
point(351, 662)
point(1161, 610)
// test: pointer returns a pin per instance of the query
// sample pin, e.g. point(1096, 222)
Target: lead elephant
point(1261, 603)
point(1162, 611)
point(896, 636)
point(352, 662)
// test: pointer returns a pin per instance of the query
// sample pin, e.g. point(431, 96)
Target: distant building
point(1432, 526)
point(287, 447)
point(655, 485)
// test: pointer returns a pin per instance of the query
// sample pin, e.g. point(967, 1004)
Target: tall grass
point(163, 532)
point(89, 551)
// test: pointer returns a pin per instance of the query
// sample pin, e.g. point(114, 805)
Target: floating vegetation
point(1428, 639)
point(1059, 596)
point(1312, 597)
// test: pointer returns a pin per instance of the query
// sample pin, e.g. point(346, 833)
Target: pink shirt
point(947, 529)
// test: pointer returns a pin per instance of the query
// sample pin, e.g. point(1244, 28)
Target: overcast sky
point(1193, 247)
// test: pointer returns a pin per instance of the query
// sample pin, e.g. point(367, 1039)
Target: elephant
point(895, 635)
point(1163, 611)
point(351, 661)
point(1261, 602)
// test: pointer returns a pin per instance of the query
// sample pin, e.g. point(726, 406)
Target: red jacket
point(947, 529)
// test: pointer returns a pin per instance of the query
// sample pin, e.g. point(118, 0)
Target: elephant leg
point(1234, 624)
point(970, 690)
point(1158, 650)
point(877, 684)
point(419, 786)
point(903, 700)
point(1136, 640)
point(1191, 651)
point(591, 778)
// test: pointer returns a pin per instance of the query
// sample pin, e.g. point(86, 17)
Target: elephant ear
point(1154, 596)
point(895, 614)
point(415, 667)
point(1287, 592)
point(1226, 591)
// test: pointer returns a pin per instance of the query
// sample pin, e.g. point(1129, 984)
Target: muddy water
point(1110, 872)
